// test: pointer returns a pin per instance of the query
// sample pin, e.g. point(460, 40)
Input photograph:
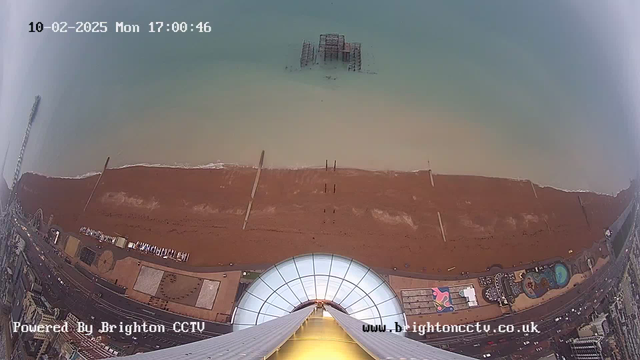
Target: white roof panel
point(252, 343)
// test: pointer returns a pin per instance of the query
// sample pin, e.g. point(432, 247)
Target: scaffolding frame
point(332, 47)
point(308, 54)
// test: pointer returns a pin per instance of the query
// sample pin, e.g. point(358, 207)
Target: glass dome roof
point(357, 289)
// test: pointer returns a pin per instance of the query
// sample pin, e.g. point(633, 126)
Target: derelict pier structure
point(332, 47)
point(308, 56)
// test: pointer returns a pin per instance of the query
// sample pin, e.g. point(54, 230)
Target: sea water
point(501, 89)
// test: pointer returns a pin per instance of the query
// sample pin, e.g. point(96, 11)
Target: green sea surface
point(511, 89)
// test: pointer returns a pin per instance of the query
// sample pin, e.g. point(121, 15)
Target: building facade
point(587, 348)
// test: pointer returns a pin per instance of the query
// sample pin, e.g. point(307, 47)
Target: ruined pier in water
point(308, 54)
point(332, 47)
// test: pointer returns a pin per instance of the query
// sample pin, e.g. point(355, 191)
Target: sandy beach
point(384, 219)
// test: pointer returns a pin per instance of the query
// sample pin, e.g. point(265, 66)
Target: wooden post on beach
point(430, 173)
point(584, 212)
point(444, 237)
point(326, 165)
point(96, 185)
point(334, 165)
point(253, 191)
point(548, 227)
point(533, 188)
point(334, 188)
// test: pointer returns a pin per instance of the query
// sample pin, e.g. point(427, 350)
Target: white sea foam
point(221, 165)
point(580, 190)
point(526, 180)
point(217, 165)
point(83, 176)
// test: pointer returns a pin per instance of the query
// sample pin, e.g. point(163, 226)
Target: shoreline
point(222, 165)
point(383, 219)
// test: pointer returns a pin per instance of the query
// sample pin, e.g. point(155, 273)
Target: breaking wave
point(217, 165)
point(83, 176)
point(221, 165)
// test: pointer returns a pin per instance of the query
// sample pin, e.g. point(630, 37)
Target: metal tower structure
point(32, 116)
point(2, 180)
point(4, 160)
